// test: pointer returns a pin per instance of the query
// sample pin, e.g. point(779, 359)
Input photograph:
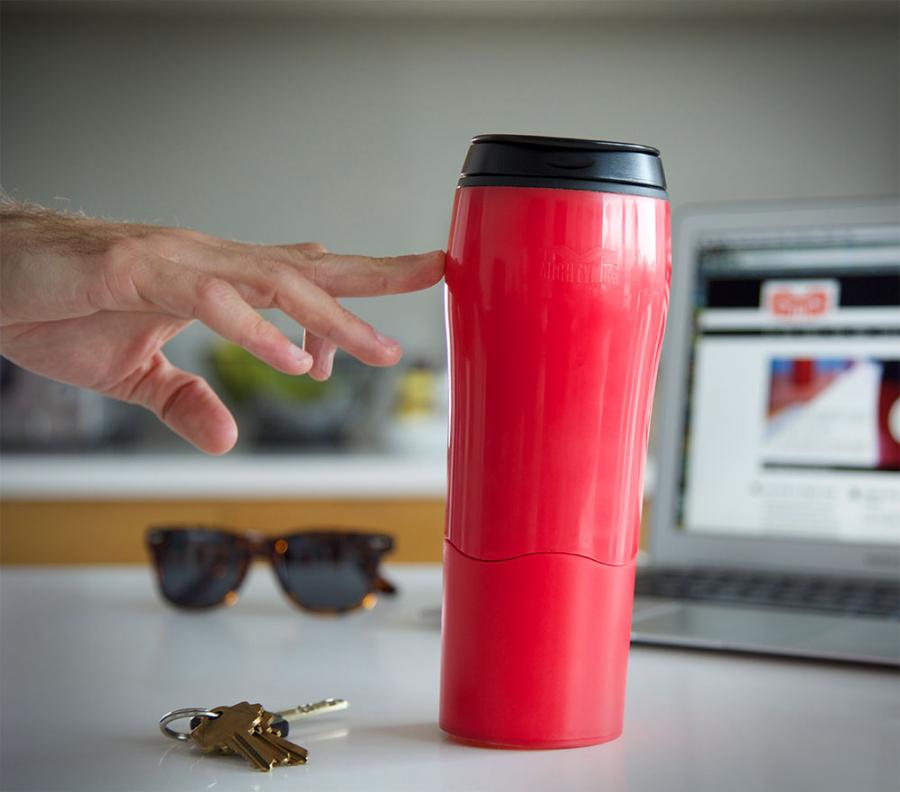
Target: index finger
point(365, 276)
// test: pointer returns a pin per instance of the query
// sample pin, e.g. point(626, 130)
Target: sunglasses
point(321, 570)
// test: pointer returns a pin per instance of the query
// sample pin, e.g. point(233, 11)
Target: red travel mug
point(557, 277)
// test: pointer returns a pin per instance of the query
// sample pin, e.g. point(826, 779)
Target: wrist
point(51, 263)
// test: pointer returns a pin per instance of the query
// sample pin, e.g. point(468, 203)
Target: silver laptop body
point(777, 478)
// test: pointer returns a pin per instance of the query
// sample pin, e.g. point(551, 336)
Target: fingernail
point(300, 355)
point(328, 363)
point(323, 365)
point(387, 342)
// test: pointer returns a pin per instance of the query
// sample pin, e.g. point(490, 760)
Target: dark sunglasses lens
point(327, 572)
point(197, 568)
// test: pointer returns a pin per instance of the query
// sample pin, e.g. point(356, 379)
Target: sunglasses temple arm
point(384, 586)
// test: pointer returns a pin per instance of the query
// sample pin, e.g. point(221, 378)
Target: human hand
point(92, 303)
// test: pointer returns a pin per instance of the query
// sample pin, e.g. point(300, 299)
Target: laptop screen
point(793, 410)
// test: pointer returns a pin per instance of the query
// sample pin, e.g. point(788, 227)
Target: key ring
point(181, 714)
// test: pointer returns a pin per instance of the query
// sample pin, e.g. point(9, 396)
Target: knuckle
point(255, 330)
point(275, 280)
point(273, 269)
point(184, 384)
point(312, 260)
point(140, 386)
point(379, 270)
point(211, 288)
point(210, 291)
point(328, 327)
point(113, 284)
point(332, 324)
point(164, 242)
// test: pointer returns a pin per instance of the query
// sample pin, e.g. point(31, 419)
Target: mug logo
point(593, 265)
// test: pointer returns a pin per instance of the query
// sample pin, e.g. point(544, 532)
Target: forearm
point(29, 228)
point(48, 255)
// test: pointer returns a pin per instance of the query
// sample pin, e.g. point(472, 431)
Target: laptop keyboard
point(835, 595)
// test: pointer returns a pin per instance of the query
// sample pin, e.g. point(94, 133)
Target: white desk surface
point(90, 659)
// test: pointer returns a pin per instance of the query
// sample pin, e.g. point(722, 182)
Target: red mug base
point(530, 746)
point(534, 650)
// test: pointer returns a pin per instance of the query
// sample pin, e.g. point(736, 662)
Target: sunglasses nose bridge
point(259, 546)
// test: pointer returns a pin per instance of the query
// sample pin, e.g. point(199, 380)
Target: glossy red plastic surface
point(535, 649)
point(556, 305)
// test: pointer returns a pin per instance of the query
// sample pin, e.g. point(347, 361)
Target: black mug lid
point(563, 163)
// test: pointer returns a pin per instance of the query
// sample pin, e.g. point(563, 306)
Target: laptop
point(775, 526)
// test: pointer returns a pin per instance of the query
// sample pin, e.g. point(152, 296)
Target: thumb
point(185, 403)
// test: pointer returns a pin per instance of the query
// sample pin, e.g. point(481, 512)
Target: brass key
point(292, 753)
point(246, 729)
point(282, 718)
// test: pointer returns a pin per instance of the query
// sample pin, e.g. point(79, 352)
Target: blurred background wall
point(346, 123)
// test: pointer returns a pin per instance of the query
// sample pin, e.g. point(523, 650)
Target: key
point(245, 729)
point(283, 718)
point(292, 753)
